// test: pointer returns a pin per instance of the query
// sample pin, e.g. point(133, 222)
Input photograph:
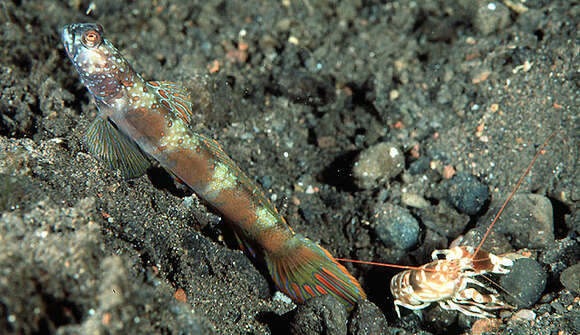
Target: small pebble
point(279, 296)
point(419, 166)
point(414, 200)
point(525, 314)
point(483, 326)
point(378, 164)
point(525, 283)
point(319, 315)
point(448, 171)
point(467, 193)
point(491, 17)
point(570, 278)
point(395, 226)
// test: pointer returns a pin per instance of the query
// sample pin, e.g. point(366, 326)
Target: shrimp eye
point(91, 38)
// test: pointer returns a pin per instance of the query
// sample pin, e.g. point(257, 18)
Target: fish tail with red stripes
point(307, 270)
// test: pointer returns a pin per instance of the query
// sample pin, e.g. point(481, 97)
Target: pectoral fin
point(114, 149)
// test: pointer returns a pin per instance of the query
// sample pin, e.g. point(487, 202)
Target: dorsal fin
point(114, 149)
point(175, 97)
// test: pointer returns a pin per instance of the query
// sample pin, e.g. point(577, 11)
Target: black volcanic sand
point(294, 91)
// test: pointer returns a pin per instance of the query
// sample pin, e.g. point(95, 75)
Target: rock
point(48, 249)
point(574, 321)
point(528, 221)
point(524, 314)
point(525, 283)
point(439, 319)
point(367, 319)
point(395, 226)
point(444, 220)
point(530, 20)
point(378, 164)
point(570, 278)
point(414, 200)
point(467, 193)
point(319, 315)
point(496, 242)
point(421, 165)
point(283, 298)
point(491, 16)
point(483, 326)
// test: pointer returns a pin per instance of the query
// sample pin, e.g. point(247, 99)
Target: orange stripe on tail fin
point(308, 270)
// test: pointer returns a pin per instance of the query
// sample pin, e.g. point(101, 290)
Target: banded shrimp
point(458, 278)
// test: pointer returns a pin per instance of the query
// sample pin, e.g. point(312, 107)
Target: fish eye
point(91, 38)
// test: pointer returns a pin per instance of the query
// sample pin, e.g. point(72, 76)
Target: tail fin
point(308, 270)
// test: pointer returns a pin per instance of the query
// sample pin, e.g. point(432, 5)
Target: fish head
point(100, 65)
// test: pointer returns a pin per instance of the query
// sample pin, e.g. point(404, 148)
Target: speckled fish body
point(141, 120)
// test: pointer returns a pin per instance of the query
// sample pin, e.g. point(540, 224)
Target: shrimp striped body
point(141, 121)
point(446, 280)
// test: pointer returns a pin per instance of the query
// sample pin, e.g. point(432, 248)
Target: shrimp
point(446, 279)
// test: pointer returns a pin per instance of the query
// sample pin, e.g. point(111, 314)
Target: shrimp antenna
point(397, 266)
point(538, 153)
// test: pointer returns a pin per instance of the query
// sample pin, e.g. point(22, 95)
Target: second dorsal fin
point(174, 97)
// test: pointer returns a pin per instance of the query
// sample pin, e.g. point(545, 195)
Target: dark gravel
point(467, 193)
point(320, 315)
point(570, 278)
point(367, 319)
point(525, 283)
point(301, 88)
point(395, 226)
